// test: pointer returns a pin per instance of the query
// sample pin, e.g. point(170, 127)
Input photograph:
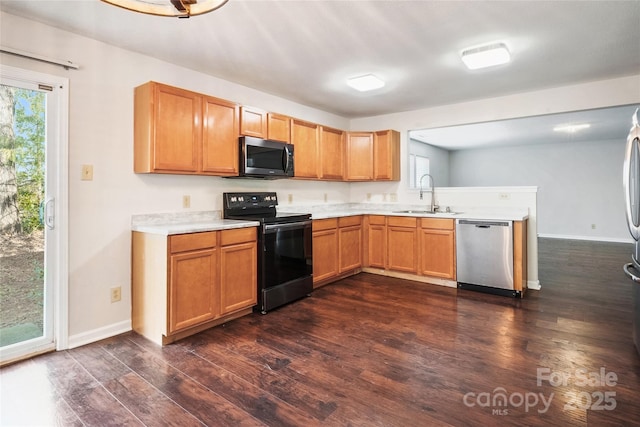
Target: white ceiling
point(304, 50)
point(605, 124)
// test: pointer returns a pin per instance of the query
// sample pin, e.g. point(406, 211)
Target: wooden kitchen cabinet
point(193, 283)
point(238, 269)
point(185, 283)
point(332, 153)
point(325, 253)
point(402, 244)
point(437, 248)
point(219, 137)
point(177, 131)
point(376, 242)
point(350, 243)
point(167, 129)
point(278, 127)
point(253, 122)
point(305, 140)
point(520, 256)
point(386, 155)
point(359, 156)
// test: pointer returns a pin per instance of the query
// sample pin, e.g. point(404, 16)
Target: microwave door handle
point(285, 160)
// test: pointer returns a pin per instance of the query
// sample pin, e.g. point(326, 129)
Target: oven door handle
point(272, 228)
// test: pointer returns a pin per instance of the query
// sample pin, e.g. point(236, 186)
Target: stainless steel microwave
point(263, 158)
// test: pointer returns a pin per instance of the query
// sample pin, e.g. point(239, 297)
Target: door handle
point(50, 213)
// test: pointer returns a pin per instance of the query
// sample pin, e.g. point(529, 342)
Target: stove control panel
point(249, 200)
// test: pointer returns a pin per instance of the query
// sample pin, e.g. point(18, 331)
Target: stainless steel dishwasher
point(484, 251)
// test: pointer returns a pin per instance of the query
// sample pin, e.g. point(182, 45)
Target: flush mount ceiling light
point(365, 83)
point(486, 56)
point(571, 128)
point(179, 8)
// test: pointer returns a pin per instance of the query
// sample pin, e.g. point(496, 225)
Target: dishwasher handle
point(484, 224)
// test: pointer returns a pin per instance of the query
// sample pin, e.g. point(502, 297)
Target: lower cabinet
point(350, 243)
point(325, 253)
point(337, 248)
point(437, 248)
point(402, 244)
point(376, 241)
point(186, 283)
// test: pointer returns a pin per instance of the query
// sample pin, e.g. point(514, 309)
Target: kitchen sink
point(426, 212)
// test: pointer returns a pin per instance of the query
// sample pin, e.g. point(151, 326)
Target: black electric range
point(285, 256)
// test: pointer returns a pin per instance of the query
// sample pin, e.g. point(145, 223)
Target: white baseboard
point(593, 238)
point(534, 284)
point(99, 334)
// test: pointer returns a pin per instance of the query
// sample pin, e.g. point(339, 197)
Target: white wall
point(579, 184)
point(438, 161)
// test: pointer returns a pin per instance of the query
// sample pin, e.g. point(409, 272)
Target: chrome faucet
point(432, 205)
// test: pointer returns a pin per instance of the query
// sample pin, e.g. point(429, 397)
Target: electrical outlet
point(593, 226)
point(116, 293)
point(394, 197)
point(368, 197)
point(290, 198)
point(186, 201)
point(326, 197)
point(504, 196)
point(384, 197)
point(87, 173)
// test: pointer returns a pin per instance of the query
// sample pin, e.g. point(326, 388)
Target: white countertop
point(195, 222)
point(194, 227)
point(182, 223)
point(336, 211)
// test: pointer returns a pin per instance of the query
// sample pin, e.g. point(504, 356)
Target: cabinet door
point(437, 253)
point(177, 130)
point(304, 137)
point(220, 137)
point(253, 122)
point(239, 276)
point(278, 127)
point(402, 248)
point(359, 156)
point(193, 288)
point(350, 247)
point(377, 247)
point(387, 155)
point(332, 151)
point(325, 254)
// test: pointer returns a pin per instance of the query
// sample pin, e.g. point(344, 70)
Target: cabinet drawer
point(324, 224)
point(401, 221)
point(437, 223)
point(377, 219)
point(349, 221)
point(237, 235)
point(192, 241)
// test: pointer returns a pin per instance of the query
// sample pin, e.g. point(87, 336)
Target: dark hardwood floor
point(369, 351)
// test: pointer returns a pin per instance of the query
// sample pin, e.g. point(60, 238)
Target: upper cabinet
point(359, 156)
point(373, 156)
point(253, 122)
point(177, 131)
point(167, 129)
point(219, 137)
point(278, 127)
point(183, 132)
point(386, 155)
point(304, 137)
point(332, 153)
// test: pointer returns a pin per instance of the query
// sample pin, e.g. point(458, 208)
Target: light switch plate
point(87, 173)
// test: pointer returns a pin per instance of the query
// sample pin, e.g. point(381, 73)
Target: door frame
point(58, 249)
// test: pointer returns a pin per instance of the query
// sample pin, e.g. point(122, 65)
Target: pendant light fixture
point(176, 8)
